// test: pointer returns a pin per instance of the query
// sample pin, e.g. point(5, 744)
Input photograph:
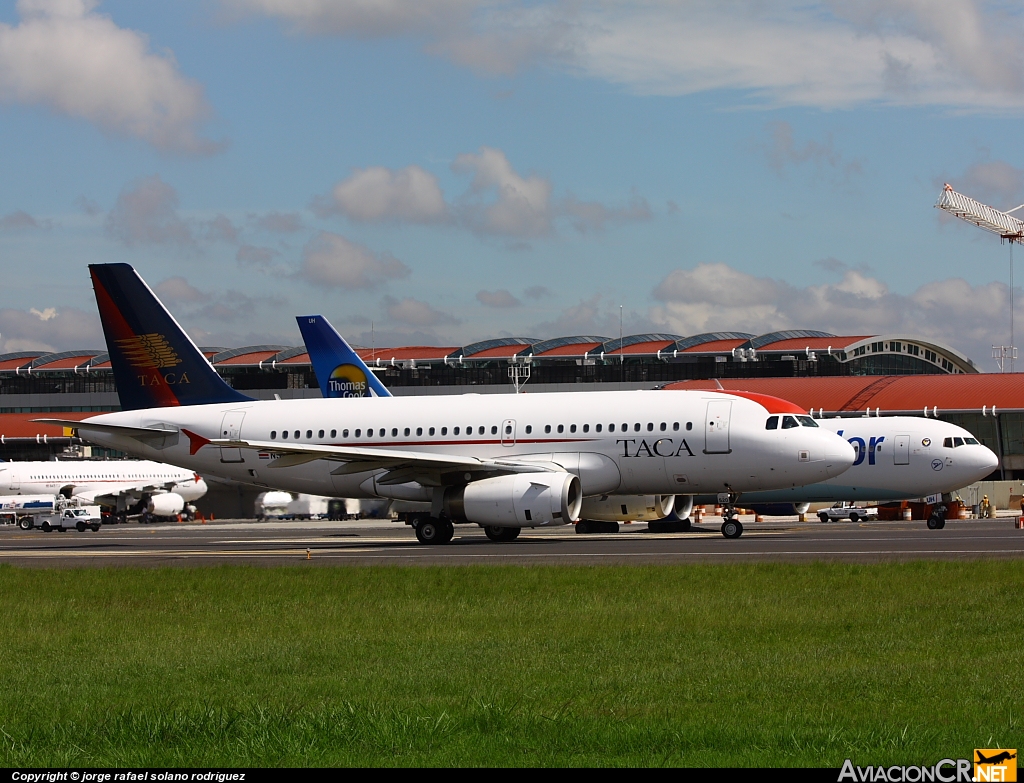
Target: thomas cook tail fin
point(155, 363)
point(339, 370)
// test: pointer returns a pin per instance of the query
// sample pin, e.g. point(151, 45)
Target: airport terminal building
point(832, 374)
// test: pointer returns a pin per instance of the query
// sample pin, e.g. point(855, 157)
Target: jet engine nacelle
point(518, 500)
point(166, 504)
point(629, 508)
point(683, 506)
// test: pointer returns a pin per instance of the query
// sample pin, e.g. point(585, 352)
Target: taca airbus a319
point(500, 461)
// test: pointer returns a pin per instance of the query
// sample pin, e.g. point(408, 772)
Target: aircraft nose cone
point(985, 459)
point(839, 455)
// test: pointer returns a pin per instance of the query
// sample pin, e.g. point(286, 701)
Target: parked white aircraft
point(920, 449)
point(501, 461)
point(128, 486)
point(898, 458)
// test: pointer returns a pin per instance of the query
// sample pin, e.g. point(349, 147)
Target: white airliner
point(128, 486)
point(898, 457)
point(501, 461)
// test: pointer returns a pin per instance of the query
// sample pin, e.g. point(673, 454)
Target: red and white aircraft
point(501, 461)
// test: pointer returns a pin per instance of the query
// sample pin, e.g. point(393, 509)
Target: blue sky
point(453, 170)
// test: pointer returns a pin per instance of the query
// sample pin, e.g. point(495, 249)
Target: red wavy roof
point(890, 393)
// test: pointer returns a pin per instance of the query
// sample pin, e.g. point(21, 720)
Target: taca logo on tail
point(155, 363)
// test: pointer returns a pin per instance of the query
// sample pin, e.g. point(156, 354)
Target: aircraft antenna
point(1009, 229)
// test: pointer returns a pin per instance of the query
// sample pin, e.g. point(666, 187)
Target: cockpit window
point(788, 423)
point(772, 423)
point(958, 442)
point(971, 441)
point(807, 421)
point(947, 443)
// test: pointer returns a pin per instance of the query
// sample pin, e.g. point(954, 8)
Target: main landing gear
point(501, 535)
point(430, 530)
point(731, 526)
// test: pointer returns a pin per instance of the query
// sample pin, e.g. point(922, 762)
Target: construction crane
point(1009, 229)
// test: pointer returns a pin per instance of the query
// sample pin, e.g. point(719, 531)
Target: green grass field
point(696, 665)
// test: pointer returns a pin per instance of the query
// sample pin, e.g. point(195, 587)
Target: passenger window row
point(431, 431)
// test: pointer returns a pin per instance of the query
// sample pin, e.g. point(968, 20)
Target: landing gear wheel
point(434, 531)
point(447, 531)
point(936, 522)
point(501, 535)
point(732, 528)
point(669, 525)
point(596, 526)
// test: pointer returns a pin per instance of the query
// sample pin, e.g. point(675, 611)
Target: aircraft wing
point(144, 434)
point(110, 493)
point(402, 466)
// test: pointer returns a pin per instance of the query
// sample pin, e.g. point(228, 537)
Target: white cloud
point(66, 57)
point(994, 182)
point(256, 256)
point(146, 212)
point(21, 220)
point(783, 152)
point(49, 329)
point(501, 201)
point(380, 194)
point(333, 261)
point(280, 222)
point(593, 215)
point(959, 53)
point(177, 290)
point(714, 297)
point(219, 229)
point(360, 18)
point(416, 313)
point(500, 298)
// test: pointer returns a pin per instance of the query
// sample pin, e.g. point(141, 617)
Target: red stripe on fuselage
point(769, 403)
point(152, 379)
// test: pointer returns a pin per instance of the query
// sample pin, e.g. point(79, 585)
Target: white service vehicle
point(846, 510)
point(80, 518)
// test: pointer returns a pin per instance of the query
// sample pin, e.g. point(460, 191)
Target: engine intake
point(517, 500)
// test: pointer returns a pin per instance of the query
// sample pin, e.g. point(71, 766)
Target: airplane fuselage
point(616, 442)
point(897, 458)
point(97, 478)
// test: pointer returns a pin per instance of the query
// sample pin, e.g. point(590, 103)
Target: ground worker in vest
point(986, 509)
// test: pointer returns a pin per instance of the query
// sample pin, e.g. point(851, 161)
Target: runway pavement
point(369, 542)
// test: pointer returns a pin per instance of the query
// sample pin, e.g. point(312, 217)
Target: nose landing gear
point(731, 526)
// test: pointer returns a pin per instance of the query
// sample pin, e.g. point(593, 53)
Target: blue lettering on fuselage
point(861, 448)
point(858, 445)
point(872, 448)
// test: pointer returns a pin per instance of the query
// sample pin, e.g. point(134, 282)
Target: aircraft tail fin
point(339, 370)
point(155, 363)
